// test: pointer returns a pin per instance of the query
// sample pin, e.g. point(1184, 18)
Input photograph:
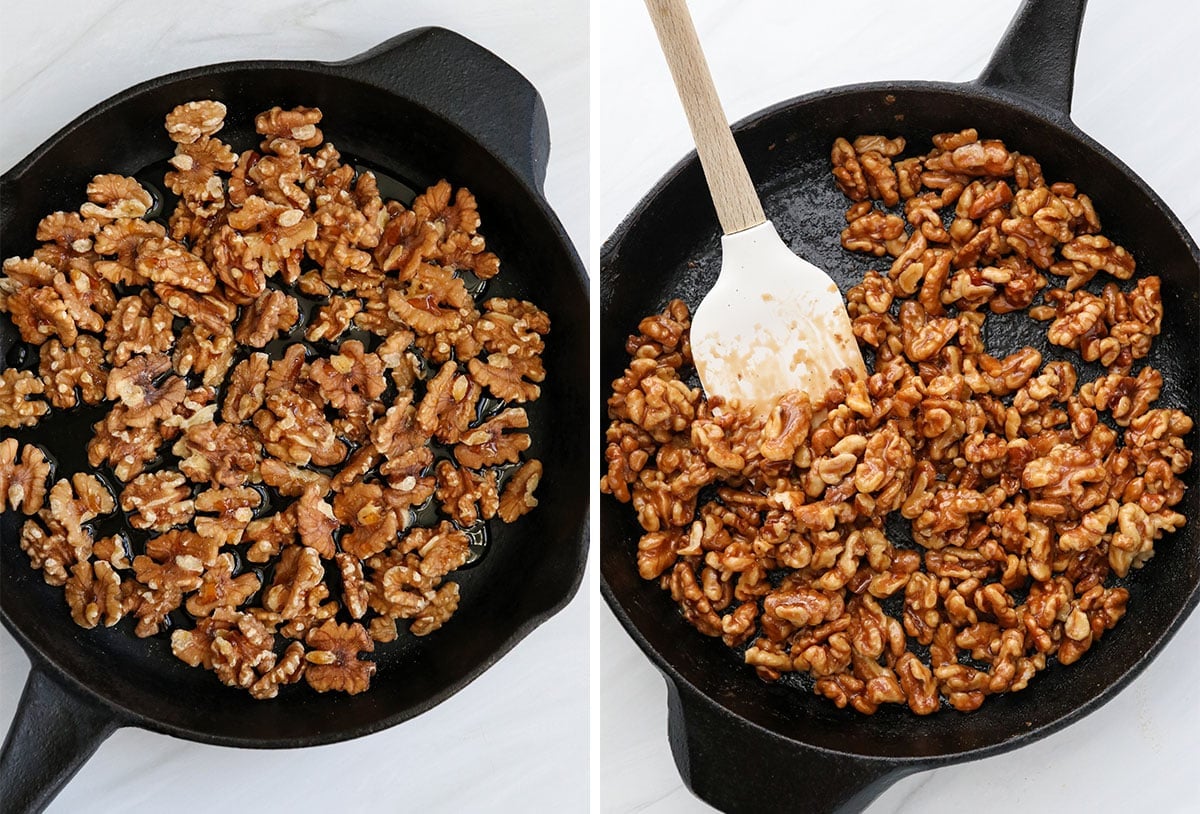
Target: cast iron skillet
point(741, 744)
point(423, 105)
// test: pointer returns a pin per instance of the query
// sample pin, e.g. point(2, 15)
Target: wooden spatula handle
point(738, 207)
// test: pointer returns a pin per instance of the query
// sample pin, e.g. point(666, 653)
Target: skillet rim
point(341, 71)
point(974, 90)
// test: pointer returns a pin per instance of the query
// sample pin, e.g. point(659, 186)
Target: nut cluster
point(1027, 491)
point(270, 463)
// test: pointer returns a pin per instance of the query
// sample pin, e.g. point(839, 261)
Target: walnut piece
point(16, 408)
point(23, 482)
point(158, 500)
point(191, 120)
point(333, 658)
point(517, 498)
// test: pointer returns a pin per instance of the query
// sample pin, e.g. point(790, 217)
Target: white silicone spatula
point(773, 322)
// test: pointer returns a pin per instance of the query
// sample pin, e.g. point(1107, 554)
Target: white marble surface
point(1136, 94)
point(517, 738)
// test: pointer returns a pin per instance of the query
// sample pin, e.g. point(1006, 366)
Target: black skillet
point(421, 106)
point(741, 744)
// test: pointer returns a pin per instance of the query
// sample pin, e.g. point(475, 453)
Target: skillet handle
point(468, 86)
point(51, 736)
point(1035, 59)
point(738, 767)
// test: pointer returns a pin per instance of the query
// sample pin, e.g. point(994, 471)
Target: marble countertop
point(517, 738)
point(1136, 94)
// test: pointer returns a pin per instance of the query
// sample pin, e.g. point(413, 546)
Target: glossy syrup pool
point(63, 435)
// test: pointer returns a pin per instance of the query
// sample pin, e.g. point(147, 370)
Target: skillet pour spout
point(412, 109)
point(744, 745)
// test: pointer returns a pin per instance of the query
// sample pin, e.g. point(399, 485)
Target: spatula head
point(772, 323)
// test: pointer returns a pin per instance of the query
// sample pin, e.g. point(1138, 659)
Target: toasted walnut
point(465, 495)
point(126, 449)
point(331, 321)
point(350, 378)
point(270, 236)
point(270, 535)
point(449, 405)
point(271, 314)
point(506, 378)
point(406, 241)
point(158, 501)
point(315, 522)
point(143, 388)
point(439, 610)
point(287, 670)
point(94, 594)
point(1100, 254)
point(20, 272)
point(247, 388)
point(221, 454)
point(115, 196)
point(22, 484)
point(174, 563)
point(442, 549)
point(51, 552)
point(1125, 397)
point(294, 429)
point(75, 373)
point(397, 437)
point(298, 589)
point(354, 588)
point(517, 498)
point(514, 327)
point(383, 629)
point(298, 124)
point(191, 120)
point(292, 481)
point(162, 260)
point(199, 351)
point(374, 524)
point(139, 325)
point(68, 230)
point(220, 589)
point(333, 658)
point(193, 177)
point(16, 408)
point(489, 445)
point(242, 653)
point(233, 509)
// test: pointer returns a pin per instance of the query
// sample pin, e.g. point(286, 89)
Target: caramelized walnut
point(517, 498)
point(115, 196)
point(158, 501)
point(23, 483)
point(466, 496)
point(489, 444)
point(192, 120)
point(268, 316)
point(75, 373)
point(333, 658)
point(17, 409)
point(94, 594)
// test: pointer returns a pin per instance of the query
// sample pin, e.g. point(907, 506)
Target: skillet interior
point(669, 247)
point(531, 568)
